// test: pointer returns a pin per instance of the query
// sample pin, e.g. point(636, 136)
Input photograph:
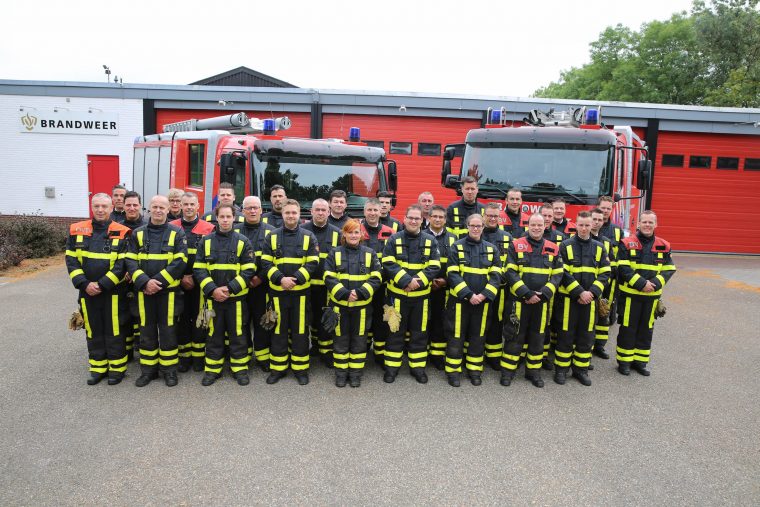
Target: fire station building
point(63, 141)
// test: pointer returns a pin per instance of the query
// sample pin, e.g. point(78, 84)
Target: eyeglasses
point(474, 226)
point(251, 208)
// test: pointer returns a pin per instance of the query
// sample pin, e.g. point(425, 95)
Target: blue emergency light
point(269, 127)
point(592, 117)
point(354, 134)
point(495, 116)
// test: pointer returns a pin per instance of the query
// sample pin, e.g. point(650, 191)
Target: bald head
point(159, 207)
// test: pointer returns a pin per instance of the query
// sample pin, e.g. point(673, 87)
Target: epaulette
point(202, 228)
point(550, 248)
point(117, 230)
point(522, 245)
point(661, 245)
point(83, 228)
point(631, 243)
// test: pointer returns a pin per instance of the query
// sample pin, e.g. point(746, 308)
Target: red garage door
point(415, 143)
point(301, 121)
point(704, 190)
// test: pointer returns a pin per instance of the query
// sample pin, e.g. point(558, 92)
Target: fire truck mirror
point(644, 176)
point(449, 153)
point(451, 181)
point(445, 171)
point(392, 175)
point(617, 197)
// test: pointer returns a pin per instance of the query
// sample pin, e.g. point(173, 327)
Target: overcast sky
point(469, 47)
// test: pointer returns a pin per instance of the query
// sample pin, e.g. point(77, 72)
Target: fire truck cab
point(568, 154)
point(198, 155)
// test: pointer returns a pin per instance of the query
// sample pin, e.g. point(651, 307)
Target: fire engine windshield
point(307, 178)
point(580, 174)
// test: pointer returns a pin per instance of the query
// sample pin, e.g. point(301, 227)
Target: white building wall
point(29, 162)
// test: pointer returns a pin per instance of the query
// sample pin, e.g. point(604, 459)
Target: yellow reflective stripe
point(223, 267)
point(484, 320)
point(461, 285)
point(302, 311)
point(86, 318)
point(306, 242)
point(169, 278)
point(76, 273)
point(569, 252)
point(170, 313)
point(475, 271)
point(276, 302)
point(627, 312)
point(141, 307)
point(91, 255)
point(458, 320)
point(425, 315)
point(115, 314)
point(362, 322)
point(239, 317)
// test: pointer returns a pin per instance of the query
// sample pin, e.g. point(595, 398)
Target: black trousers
point(292, 324)
point(190, 339)
point(636, 319)
point(379, 331)
point(575, 336)
point(533, 322)
point(465, 322)
point(106, 346)
point(228, 323)
point(414, 319)
point(258, 344)
point(350, 338)
point(158, 330)
point(436, 333)
point(321, 340)
point(603, 324)
point(501, 308)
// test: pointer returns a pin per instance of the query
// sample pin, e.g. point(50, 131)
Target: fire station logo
point(29, 122)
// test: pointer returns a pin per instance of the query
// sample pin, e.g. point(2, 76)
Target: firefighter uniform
point(158, 252)
point(95, 253)
point(391, 222)
point(586, 268)
point(226, 259)
point(641, 259)
point(516, 224)
point(456, 216)
point(550, 337)
point(533, 267)
point(613, 235)
point(409, 256)
point(349, 269)
point(328, 237)
point(474, 267)
point(293, 253)
point(211, 217)
point(273, 219)
point(257, 297)
point(438, 296)
point(566, 227)
point(375, 238)
point(191, 340)
point(501, 239)
point(338, 222)
point(128, 311)
point(118, 216)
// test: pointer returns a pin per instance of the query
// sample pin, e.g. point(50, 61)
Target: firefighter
point(386, 206)
point(550, 337)
point(473, 274)
point(534, 270)
point(133, 218)
point(374, 236)
point(561, 222)
point(644, 267)
point(501, 239)
point(338, 202)
point(191, 340)
point(223, 270)
point(277, 199)
point(290, 260)
point(352, 275)
point(156, 261)
point(438, 287)
point(117, 197)
point(328, 237)
point(95, 261)
point(585, 277)
point(411, 262)
point(426, 201)
point(614, 234)
point(256, 231)
point(226, 195)
point(516, 222)
point(175, 204)
point(602, 327)
point(459, 210)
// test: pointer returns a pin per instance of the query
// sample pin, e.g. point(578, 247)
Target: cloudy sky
point(469, 47)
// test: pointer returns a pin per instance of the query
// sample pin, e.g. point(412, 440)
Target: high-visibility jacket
point(95, 253)
point(474, 267)
point(407, 256)
point(391, 222)
point(533, 266)
point(157, 252)
point(257, 234)
point(273, 218)
point(328, 237)
point(445, 241)
point(211, 217)
point(515, 224)
point(348, 268)
point(194, 231)
point(566, 227)
point(224, 259)
point(586, 267)
point(290, 252)
point(643, 259)
point(456, 216)
point(501, 239)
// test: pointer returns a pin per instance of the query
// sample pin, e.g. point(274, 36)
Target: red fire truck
point(197, 155)
point(568, 154)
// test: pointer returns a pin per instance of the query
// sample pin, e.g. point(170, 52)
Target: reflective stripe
point(302, 311)
point(170, 312)
point(457, 320)
point(238, 317)
point(141, 307)
point(484, 320)
point(86, 318)
point(115, 315)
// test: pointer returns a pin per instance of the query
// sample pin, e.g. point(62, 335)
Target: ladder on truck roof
point(237, 123)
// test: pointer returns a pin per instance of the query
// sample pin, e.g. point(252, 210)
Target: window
point(197, 157)
point(375, 144)
point(401, 148)
point(700, 161)
point(728, 163)
point(672, 161)
point(429, 149)
point(752, 164)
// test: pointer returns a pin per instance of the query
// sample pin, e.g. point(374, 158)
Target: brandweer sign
point(68, 122)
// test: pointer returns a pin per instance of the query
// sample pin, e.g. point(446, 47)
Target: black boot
point(302, 377)
point(341, 377)
point(560, 376)
point(535, 378)
point(600, 352)
point(641, 368)
point(264, 366)
point(95, 378)
point(198, 363)
point(507, 376)
point(390, 375)
point(453, 379)
point(582, 375)
point(242, 378)
point(130, 356)
point(145, 379)
point(438, 362)
point(184, 364)
point(475, 378)
point(209, 378)
point(547, 364)
point(355, 379)
point(170, 378)
point(494, 363)
point(115, 378)
point(275, 376)
point(327, 359)
point(624, 368)
point(419, 375)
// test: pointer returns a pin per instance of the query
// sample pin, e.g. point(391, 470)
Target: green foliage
point(708, 57)
point(30, 236)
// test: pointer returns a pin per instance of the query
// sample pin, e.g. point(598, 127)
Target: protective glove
point(76, 321)
point(392, 317)
point(205, 317)
point(269, 319)
point(330, 318)
point(660, 310)
point(603, 307)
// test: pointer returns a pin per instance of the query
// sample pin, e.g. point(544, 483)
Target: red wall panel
point(707, 209)
point(301, 121)
point(416, 173)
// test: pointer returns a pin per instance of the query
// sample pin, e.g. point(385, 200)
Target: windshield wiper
point(490, 187)
point(555, 188)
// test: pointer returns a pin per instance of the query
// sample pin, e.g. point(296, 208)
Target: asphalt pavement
point(687, 435)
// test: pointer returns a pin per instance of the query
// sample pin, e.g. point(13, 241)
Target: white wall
point(29, 162)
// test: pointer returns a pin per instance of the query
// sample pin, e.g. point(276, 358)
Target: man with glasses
point(445, 240)
point(411, 262)
point(175, 204)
